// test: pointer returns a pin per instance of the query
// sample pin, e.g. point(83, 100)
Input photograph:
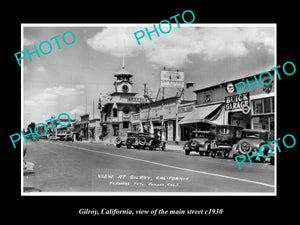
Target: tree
point(32, 126)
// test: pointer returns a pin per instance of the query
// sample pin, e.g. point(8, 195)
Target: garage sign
point(237, 102)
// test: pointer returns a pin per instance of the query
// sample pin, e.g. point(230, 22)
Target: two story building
point(116, 108)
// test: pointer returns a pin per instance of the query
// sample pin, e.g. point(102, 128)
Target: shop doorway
point(116, 130)
point(239, 119)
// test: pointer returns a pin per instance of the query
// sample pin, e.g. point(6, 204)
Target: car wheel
point(200, 153)
point(128, 142)
point(207, 149)
point(150, 145)
point(245, 148)
point(194, 145)
point(118, 140)
point(118, 145)
point(142, 141)
point(213, 153)
point(226, 154)
point(255, 158)
point(187, 152)
point(128, 146)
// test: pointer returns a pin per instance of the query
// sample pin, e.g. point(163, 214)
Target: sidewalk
point(172, 146)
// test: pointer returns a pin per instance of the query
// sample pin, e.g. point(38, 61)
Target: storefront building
point(221, 104)
point(94, 129)
point(59, 131)
point(84, 133)
point(162, 118)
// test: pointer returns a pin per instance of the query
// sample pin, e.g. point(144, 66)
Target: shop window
point(258, 107)
point(115, 112)
point(262, 106)
point(125, 124)
point(263, 123)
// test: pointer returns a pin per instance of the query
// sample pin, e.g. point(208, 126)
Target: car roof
point(256, 130)
point(202, 131)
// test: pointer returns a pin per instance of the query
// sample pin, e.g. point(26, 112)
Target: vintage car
point(140, 140)
point(130, 140)
point(253, 139)
point(200, 142)
point(150, 141)
point(53, 138)
point(68, 138)
point(225, 137)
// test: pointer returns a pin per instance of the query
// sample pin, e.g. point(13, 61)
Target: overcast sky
point(60, 81)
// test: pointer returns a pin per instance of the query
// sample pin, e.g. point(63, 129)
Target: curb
point(174, 149)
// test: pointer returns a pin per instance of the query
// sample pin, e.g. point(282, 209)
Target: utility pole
point(85, 104)
point(93, 108)
point(177, 138)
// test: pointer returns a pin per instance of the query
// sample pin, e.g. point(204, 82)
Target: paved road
point(86, 167)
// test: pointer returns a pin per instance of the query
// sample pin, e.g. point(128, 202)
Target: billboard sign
point(172, 79)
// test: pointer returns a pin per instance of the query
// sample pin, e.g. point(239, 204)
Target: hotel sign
point(237, 101)
point(134, 99)
point(172, 79)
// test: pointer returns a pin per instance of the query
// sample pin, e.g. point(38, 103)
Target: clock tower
point(123, 84)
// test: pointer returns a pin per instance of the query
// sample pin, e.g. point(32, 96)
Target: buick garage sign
point(237, 102)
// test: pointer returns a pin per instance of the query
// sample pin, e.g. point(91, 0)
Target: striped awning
point(209, 114)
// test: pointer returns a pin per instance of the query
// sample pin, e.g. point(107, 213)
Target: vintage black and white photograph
point(148, 109)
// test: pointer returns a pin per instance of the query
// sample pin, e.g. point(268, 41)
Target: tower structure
point(119, 105)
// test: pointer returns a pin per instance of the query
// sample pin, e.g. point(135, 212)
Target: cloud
point(40, 69)
point(175, 48)
point(80, 86)
point(50, 96)
point(27, 42)
point(30, 102)
point(78, 110)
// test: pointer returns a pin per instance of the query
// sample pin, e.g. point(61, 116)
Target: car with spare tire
point(254, 139)
point(200, 142)
point(225, 137)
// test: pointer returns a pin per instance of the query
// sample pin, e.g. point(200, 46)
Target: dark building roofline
point(122, 93)
point(228, 81)
point(159, 102)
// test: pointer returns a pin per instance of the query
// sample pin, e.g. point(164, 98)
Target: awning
point(209, 114)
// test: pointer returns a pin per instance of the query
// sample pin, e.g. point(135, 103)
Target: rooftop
point(224, 82)
point(123, 71)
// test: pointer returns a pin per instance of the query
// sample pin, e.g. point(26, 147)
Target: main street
point(87, 167)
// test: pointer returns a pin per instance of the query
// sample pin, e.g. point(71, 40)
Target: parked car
point(140, 140)
point(225, 137)
point(150, 141)
point(253, 139)
point(129, 141)
point(68, 138)
point(54, 138)
point(200, 142)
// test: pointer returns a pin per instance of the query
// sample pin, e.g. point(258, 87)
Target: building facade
point(164, 116)
point(59, 130)
point(221, 104)
point(116, 108)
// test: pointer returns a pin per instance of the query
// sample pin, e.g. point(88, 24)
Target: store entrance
point(239, 119)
